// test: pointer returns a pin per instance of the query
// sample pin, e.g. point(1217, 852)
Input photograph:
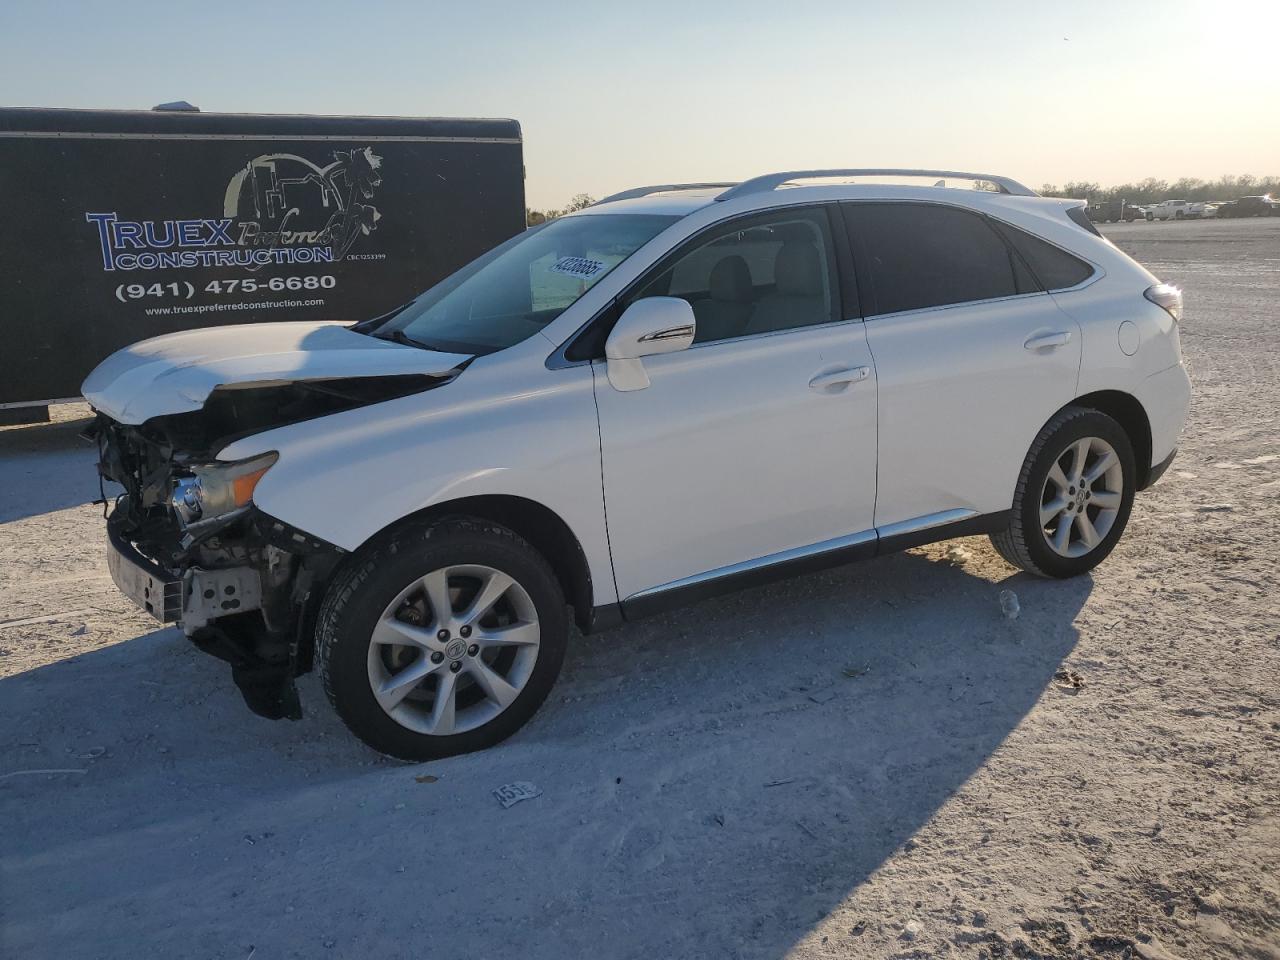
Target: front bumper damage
point(194, 598)
point(244, 587)
point(259, 616)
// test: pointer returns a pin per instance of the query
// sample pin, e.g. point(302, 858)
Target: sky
point(611, 96)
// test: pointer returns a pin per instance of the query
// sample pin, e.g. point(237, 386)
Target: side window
point(921, 255)
point(768, 273)
point(1054, 268)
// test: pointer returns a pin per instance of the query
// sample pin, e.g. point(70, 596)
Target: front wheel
point(1073, 496)
point(442, 638)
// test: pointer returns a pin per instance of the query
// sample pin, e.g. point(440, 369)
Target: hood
point(176, 373)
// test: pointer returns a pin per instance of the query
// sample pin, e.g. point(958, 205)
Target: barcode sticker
point(583, 268)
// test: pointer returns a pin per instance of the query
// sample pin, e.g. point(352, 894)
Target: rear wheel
point(1073, 497)
point(441, 639)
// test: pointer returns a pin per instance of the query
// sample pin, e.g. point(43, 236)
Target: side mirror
point(648, 327)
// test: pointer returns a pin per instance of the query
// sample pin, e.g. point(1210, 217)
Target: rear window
point(1053, 267)
point(929, 255)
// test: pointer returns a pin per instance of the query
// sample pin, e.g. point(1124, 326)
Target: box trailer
point(1104, 211)
point(122, 225)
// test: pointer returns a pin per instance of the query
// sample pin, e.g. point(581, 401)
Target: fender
point(494, 431)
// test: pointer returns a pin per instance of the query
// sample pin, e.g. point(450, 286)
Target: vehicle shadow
point(44, 468)
point(714, 782)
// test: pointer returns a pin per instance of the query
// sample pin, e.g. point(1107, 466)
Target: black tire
point(1024, 543)
point(373, 579)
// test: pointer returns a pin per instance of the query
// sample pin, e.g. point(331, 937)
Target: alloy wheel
point(454, 649)
point(1082, 497)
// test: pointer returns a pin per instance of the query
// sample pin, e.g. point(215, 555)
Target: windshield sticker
point(583, 268)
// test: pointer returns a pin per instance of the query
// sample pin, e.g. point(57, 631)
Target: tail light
point(1168, 297)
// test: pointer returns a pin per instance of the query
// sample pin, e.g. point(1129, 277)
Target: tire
point(496, 664)
point(1033, 541)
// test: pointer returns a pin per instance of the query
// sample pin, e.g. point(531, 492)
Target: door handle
point(836, 378)
point(1048, 341)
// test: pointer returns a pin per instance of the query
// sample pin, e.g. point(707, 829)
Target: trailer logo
point(280, 208)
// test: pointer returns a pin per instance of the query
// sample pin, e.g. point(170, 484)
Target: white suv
point(678, 391)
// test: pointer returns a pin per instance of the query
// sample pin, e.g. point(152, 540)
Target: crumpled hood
point(176, 373)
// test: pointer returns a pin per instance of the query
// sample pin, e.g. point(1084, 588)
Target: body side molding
point(819, 556)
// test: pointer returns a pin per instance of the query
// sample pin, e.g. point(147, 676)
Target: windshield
point(518, 288)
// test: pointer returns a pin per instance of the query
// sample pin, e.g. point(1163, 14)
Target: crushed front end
point(187, 544)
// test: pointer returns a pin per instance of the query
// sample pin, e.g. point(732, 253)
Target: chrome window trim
point(567, 364)
point(1098, 275)
point(954, 306)
point(774, 333)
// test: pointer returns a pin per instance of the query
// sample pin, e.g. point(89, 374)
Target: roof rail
point(771, 181)
point(661, 188)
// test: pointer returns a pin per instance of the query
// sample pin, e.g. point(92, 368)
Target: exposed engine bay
point(188, 544)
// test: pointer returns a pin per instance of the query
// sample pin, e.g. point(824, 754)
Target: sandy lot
point(1099, 778)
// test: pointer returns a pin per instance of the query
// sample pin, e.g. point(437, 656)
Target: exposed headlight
point(217, 489)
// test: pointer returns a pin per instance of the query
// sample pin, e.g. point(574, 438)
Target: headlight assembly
point(216, 489)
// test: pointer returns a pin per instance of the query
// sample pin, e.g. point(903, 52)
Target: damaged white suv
point(678, 391)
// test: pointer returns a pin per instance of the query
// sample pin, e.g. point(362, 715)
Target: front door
point(760, 439)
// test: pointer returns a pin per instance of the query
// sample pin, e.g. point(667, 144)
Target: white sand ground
point(1099, 778)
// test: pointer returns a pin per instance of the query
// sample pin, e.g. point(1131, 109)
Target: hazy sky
point(615, 95)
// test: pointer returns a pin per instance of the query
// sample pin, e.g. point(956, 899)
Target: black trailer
point(122, 225)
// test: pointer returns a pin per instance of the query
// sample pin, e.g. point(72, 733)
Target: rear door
point(972, 358)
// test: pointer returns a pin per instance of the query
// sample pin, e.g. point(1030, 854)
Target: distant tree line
point(534, 217)
point(1151, 189)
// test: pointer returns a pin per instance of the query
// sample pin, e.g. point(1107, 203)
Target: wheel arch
point(543, 528)
point(1127, 410)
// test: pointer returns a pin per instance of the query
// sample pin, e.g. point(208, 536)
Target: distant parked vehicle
point(1170, 210)
point(1214, 209)
point(1105, 211)
point(1262, 206)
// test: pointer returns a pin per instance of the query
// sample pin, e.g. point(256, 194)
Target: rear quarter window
point(1053, 267)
